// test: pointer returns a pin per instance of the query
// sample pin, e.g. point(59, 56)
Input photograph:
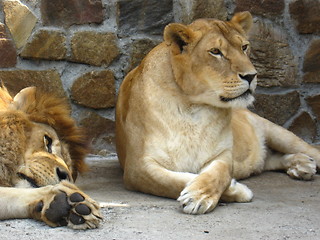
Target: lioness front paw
point(196, 201)
point(66, 205)
point(301, 166)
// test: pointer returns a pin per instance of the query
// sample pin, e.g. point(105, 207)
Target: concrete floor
point(282, 209)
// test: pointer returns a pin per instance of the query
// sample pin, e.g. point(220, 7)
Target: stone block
point(311, 64)
point(266, 8)
point(8, 53)
point(304, 127)
point(314, 103)
point(101, 132)
point(139, 49)
point(306, 15)
point(3, 32)
point(46, 44)
point(278, 108)
point(94, 89)
point(47, 80)
point(272, 56)
point(188, 11)
point(94, 48)
point(209, 9)
point(69, 12)
point(146, 17)
point(22, 26)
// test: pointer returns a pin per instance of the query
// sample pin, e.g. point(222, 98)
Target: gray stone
point(311, 64)
point(306, 15)
point(101, 132)
point(269, 8)
point(278, 108)
point(188, 11)
point(94, 48)
point(47, 80)
point(22, 26)
point(46, 44)
point(304, 127)
point(272, 56)
point(94, 89)
point(314, 103)
point(147, 17)
point(139, 50)
point(8, 53)
point(69, 12)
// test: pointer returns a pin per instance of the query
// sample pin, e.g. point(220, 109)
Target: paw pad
point(64, 209)
point(76, 197)
point(59, 208)
point(39, 206)
point(83, 209)
point(76, 219)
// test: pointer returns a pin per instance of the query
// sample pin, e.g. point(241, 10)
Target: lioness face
point(211, 61)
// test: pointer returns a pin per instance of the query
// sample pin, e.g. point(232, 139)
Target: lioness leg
point(203, 193)
point(299, 165)
point(293, 155)
point(157, 180)
point(62, 204)
point(199, 193)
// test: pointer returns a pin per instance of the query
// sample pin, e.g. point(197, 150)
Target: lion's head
point(210, 60)
point(40, 143)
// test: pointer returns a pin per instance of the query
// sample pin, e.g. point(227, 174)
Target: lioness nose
point(248, 77)
point(62, 174)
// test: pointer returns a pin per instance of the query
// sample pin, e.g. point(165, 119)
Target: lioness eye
point(48, 143)
point(216, 51)
point(245, 47)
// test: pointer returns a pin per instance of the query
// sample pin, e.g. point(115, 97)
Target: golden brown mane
point(54, 111)
point(41, 152)
point(5, 98)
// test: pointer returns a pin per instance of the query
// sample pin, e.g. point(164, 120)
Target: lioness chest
point(188, 139)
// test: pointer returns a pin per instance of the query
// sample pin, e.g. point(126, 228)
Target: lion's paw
point(197, 202)
point(301, 166)
point(66, 205)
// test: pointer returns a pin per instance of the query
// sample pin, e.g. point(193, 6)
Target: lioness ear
point(244, 19)
point(25, 98)
point(178, 34)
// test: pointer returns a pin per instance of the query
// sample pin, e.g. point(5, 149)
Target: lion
point(41, 152)
point(183, 130)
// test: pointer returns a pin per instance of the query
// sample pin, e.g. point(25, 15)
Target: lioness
point(41, 152)
point(182, 127)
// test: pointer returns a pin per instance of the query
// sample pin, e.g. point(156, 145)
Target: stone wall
point(82, 49)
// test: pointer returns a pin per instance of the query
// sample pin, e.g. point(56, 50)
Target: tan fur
point(182, 127)
point(5, 98)
point(40, 145)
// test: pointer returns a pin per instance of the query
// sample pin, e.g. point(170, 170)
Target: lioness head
point(210, 60)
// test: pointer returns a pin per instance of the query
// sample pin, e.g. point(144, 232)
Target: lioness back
point(132, 98)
